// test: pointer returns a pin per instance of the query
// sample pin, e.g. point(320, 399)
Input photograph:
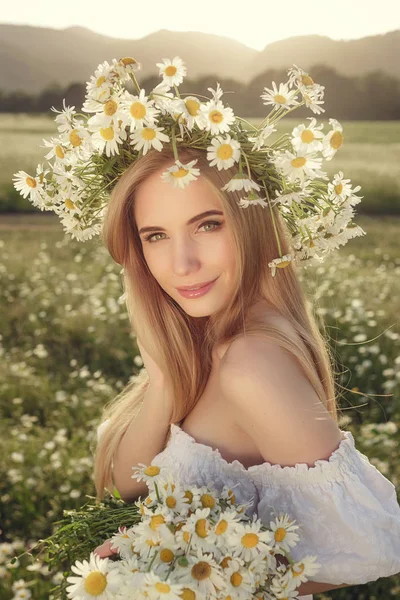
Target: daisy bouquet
point(193, 543)
point(118, 126)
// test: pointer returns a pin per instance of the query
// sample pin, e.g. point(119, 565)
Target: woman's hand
point(105, 549)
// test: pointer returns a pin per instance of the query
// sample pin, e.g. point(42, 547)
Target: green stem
point(273, 220)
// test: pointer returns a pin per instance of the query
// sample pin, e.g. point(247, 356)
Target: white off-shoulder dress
point(347, 509)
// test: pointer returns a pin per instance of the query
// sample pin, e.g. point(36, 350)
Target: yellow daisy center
point(170, 501)
point(300, 571)
point(138, 110)
point(283, 264)
point(180, 172)
point(170, 70)
point(166, 555)
point(225, 562)
point(298, 162)
point(189, 496)
point(280, 534)
point(311, 244)
point(148, 133)
point(31, 182)
point(74, 138)
point(152, 471)
point(201, 570)
point(249, 540)
point(339, 188)
point(201, 528)
point(207, 501)
point(307, 136)
point(59, 151)
point(162, 587)
point(100, 81)
point(128, 60)
point(156, 521)
point(186, 536)
point(216, 116)
point(110, 108)
point(221, 527)
point(192, 107)
point(188, 594)
point(95, 583)
point(306, 80)
point(225, 151)
point(107, 133)
point(69, 204)
point(280, 99)
point(236, 579)
point(336, 140)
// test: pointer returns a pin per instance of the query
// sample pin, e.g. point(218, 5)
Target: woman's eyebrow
point(207, 213)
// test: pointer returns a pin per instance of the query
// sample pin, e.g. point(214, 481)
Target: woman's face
point(181, 249)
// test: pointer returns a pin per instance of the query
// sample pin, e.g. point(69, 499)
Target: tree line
point(372, 96)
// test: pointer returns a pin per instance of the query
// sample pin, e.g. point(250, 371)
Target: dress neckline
point(338, 465)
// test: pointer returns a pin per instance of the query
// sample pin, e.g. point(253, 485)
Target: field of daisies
point(66, 348)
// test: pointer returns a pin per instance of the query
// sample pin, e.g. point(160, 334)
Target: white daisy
point(299, 77)
point(284, 533)
point(30, 186)
point(279, 98)
point(252, 198)
point(217, 94)
point(296, 167)
point(288, 198)
point(141, 111)
point(340, 189)
point(162, 96)
point(189, 108)
point(250, 541)
point(126, 66)
point(281, 263)
point(261, 137)
point(157, 587)
point(96, 579)
point(203, 575)
point(148, 137)
point(313, 98)
point(333, 140)
point(216, 117)
point(301, 571)
point(223, 152)
point(306, 139)
point(239, 182)
point(108, 138)
point(180, 175)
point(240, 580)
point(173, 71)
point(77, 229)
point(65, 117)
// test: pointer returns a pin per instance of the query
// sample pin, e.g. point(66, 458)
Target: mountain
point(32, 58)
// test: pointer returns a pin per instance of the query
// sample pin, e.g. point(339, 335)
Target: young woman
point(238, 384)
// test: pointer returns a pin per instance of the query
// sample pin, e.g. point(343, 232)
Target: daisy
point(108, 138)
point(173, 496)
point(203, 575)
point(250, 541)
point(240, 580)
point(313, 98)
point(297, 167)
point(216, 117)
point(126, 66)
point(77, 229)
point(58, 151)
point(261, 137)
point(299, 77)
point(173, 71)
point(280, 98)
point(305, 139)
point(284, 533)
point(181, 175)
point(148, 137)
point(252, 198)
point(157, 588)
point(200, 529)
point(65, 117)
point(340, 189)
point(333, 140)
point(301, 571)
point(288, 198)
point(239, 182)
point(223, 152)
point(190, 108)
point(217, 94)
point(280, 262)
point(96, 579)
point(29, 186)
point(162, 96)
point(141, 111)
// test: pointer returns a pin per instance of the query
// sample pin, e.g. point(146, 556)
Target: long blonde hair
point(182, 345)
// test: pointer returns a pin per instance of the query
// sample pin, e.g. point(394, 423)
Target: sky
point(257, 24)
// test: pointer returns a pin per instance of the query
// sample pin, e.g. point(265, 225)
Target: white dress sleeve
point(347, 509)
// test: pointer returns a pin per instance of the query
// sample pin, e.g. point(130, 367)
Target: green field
point(66, 350)
point(370, 157)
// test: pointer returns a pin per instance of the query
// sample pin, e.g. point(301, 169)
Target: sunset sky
point(260, 22)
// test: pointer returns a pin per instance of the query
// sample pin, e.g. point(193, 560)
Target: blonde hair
point(182, 345)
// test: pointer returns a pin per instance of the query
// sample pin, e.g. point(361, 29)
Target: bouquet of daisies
point(192, 543)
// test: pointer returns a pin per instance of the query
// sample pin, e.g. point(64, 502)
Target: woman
point(243, 368)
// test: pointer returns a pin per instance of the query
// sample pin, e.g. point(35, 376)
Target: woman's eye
point(150, 237)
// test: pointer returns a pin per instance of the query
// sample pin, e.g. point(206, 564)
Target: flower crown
point(92, 152)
